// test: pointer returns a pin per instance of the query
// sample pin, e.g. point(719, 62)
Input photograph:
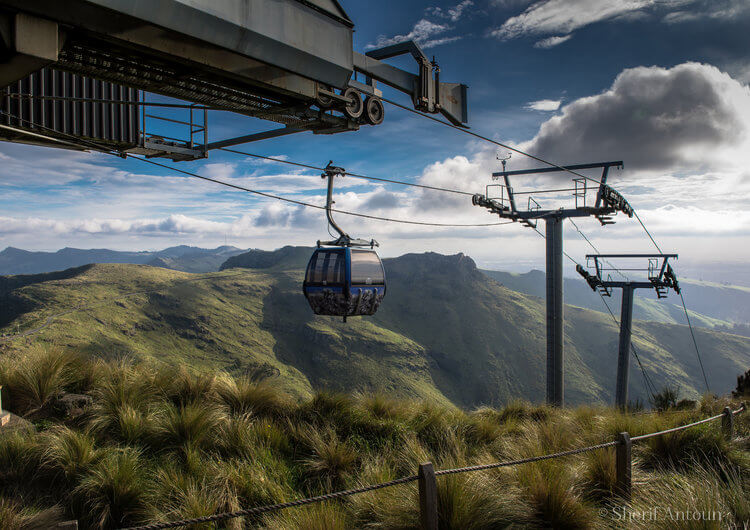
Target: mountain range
point(182, 257)
point(446, 331)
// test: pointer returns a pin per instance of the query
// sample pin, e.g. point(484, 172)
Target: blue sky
point(661, 84)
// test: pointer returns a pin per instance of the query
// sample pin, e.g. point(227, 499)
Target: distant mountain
point(182, 257)
point(445, 330)
point(287, 257)
point(711, 305)
point(196, 259)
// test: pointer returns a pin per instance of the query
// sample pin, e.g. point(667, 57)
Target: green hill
point(445, 332)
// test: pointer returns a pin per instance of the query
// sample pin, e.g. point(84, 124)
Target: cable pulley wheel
point(323, 101)
point(374, 111)
point(354, 106)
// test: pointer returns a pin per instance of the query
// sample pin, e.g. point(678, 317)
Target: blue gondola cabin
point(343, 281)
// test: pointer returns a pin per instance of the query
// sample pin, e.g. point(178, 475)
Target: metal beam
point(555, 356)
point(554, 169)
point(385, 73)
point(631, 255)
point(275, 133)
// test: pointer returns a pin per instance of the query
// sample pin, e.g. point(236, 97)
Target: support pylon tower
point(607, 203)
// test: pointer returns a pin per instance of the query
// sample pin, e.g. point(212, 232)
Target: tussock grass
point(330, 458)
point(245, 396)
point(703, 444)
point(322, 516)
point(114, 492)
point(555, 501)
point(160, 444)
point(67, 454)
point(180, 495)
point(191, 425)
point(43, 374)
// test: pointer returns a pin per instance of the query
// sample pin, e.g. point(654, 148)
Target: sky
point(659, 84)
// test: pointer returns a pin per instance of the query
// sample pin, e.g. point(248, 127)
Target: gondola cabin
point(344, 281)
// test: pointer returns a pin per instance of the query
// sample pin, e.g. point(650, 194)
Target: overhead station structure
point(501, 199)
point(660, 277)
point(81, 68)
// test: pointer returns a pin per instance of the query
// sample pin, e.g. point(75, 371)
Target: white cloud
point(546, 105)
point(452, 13)
point(551, 42)
point(560, 18)
point(565, 16)
point(219, 170)
point(422, 31)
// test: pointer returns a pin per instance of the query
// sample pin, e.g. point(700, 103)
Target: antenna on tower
point(504, 160)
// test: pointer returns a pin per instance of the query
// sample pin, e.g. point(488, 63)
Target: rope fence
point(428, 487)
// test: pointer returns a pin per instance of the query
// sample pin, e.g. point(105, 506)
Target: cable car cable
point(692, 334)
point(348, 173)
point(486, 139)
point(106, 150)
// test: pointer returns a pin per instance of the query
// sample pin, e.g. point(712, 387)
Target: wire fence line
point(727, 414)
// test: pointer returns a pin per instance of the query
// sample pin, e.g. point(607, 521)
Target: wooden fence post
point(727, 423)
point(428, 510)
point(623, 463)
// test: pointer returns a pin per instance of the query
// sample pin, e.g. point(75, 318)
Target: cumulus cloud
point(547, 105)
point(691, 115)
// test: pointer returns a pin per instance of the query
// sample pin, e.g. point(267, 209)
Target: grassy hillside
point(445, 331)
point(147, 444)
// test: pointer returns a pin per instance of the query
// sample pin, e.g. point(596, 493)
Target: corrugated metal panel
point(111, 123)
